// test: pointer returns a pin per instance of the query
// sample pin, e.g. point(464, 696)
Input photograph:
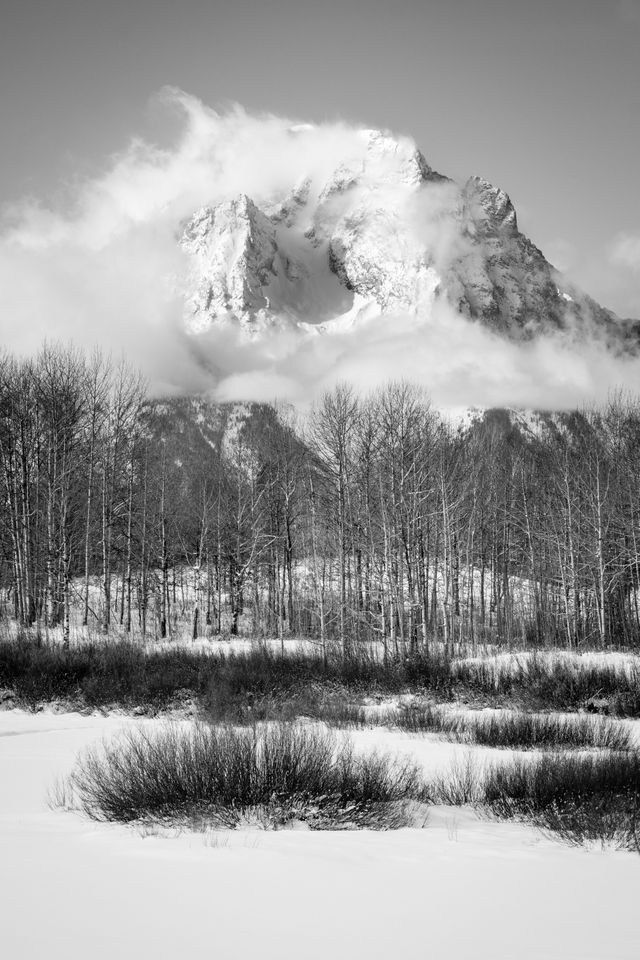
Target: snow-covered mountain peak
point(386, 162)
point(382, 233)
point(394, 160)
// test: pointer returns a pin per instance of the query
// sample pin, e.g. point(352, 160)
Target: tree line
point(367, 518)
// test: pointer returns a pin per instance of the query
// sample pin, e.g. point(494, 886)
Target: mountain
point(383, 234)
point(200, 437)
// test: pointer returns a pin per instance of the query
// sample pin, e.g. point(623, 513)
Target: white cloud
point(460, 364)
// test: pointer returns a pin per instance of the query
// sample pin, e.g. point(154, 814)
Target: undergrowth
point(100, 674)
point(261, 684)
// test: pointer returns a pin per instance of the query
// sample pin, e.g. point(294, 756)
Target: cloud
point(460, 363)
point(106, 269)
point(625, 251)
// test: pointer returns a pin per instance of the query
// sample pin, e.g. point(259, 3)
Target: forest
point(359, 519)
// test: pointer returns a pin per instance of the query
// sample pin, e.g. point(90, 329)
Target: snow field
point(460, 888)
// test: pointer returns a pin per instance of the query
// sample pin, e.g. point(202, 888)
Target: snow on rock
point(234, 256)
point(373, 255)
point(491, 205)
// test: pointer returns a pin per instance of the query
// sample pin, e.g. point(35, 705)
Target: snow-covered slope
point(383, 234)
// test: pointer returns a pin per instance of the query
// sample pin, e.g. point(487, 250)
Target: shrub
point(460, 786)
point(220, 774)
point(511, 729)
point(98, 674)
point(261, 684)
point(553, 778)
point(579, 797)
point(560, 682)
point(530, 730)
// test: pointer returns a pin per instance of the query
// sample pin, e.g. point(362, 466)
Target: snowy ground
point(460, 888)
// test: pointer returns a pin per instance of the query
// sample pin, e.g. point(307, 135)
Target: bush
point(561, 682)
point(553, 778)
point(461, 786)
point(529, 730)
point(579, 797)
point(513, 730)
point(222, 774)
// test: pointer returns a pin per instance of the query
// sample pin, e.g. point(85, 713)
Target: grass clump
point(224, 775)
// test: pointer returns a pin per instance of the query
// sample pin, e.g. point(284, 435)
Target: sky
point(542, 99)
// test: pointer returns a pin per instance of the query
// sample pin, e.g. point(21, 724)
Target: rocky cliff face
point(384, 234)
